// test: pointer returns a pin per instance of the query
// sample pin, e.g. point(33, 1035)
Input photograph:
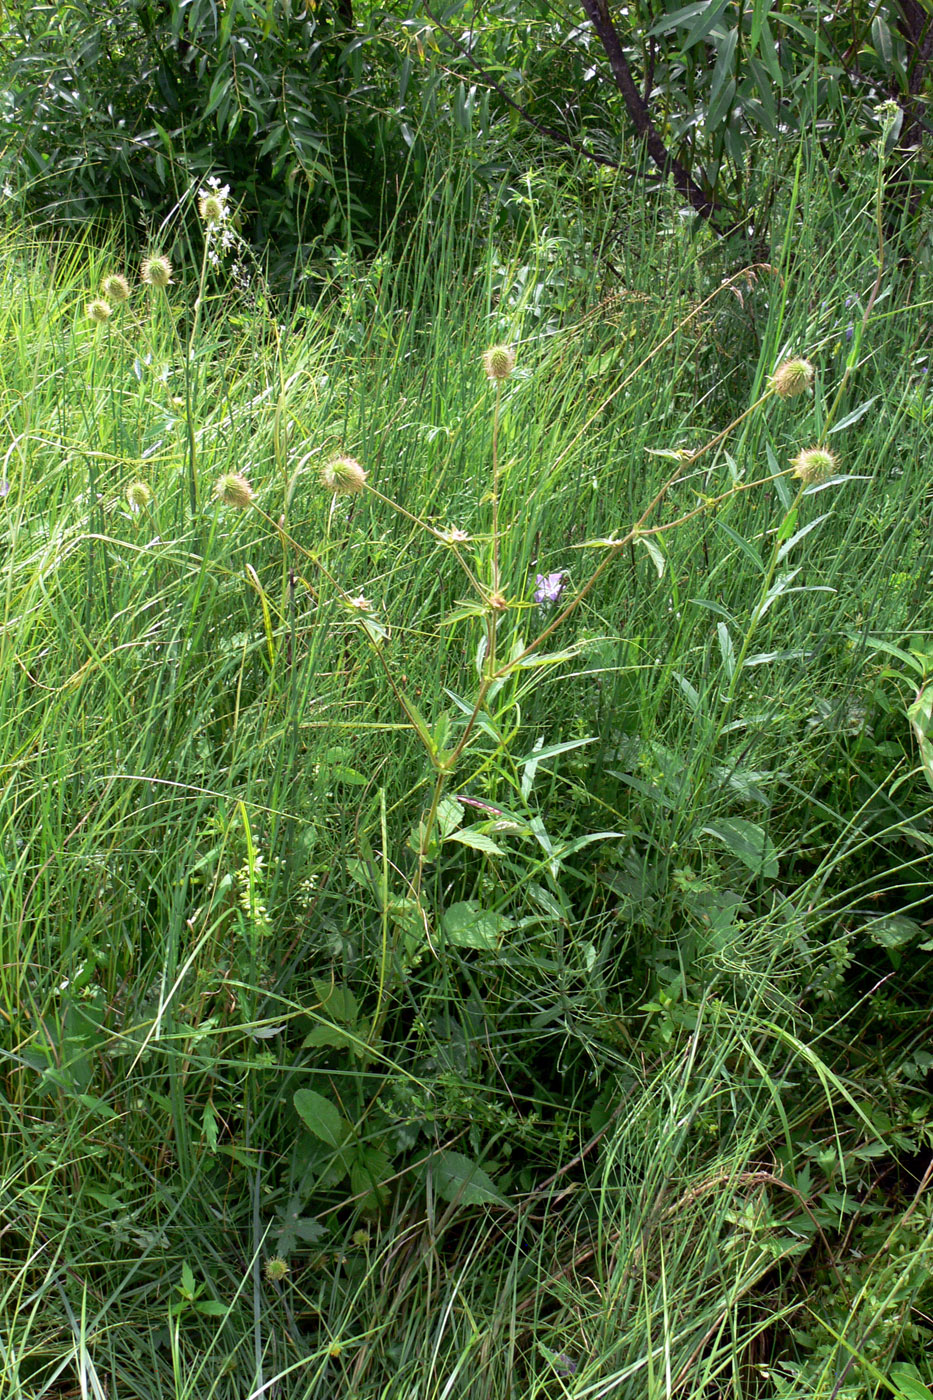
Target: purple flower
point(850, 330)
point(549, 587)
point(4, 488)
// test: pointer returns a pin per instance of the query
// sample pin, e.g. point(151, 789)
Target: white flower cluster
point(214, 208)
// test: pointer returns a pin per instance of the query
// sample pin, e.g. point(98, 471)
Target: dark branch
point(549, 131)
point(597, 12)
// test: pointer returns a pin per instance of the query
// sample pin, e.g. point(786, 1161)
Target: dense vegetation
point(466, 745)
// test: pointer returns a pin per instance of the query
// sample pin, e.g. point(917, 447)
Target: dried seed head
point(99, 311)
point(115, 288)
point(791, 378)
point(276, 1269)
point(343, 475)
point(498, 362)
point(156, 271)
point(815, 464)
point(138, 496)
point(232, 489)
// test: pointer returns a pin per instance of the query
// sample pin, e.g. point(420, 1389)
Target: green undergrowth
point(411, 986)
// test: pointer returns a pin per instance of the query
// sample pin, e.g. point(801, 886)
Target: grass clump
point(464, 902)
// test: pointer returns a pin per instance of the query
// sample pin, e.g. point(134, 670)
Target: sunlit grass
point(570, 960)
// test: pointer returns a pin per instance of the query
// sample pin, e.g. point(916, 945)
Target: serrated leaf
point(468, 925)
point(449, 815)
point(748, 842)
point(321, 1117)
point(476, 840)
point(367, 1174)
point(458, 1179)
point(337, 1002)
point(894, 931)
point(333, 1036)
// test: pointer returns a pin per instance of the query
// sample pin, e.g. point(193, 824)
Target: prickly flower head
point(343, 475)
point(498, 362)
point(212, 206)
point(815, 464)
point(99, 311)
point(156, 271)
point(115, 288)
point(138, 496)
point(232, 489)
point(791, 378)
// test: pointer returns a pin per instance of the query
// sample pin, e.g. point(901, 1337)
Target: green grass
point(562, 1022)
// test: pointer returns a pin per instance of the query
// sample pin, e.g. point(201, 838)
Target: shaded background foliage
point(321, 115)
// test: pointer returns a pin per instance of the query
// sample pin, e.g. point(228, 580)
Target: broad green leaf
point(881, 37)
point(726, 649)
point(920, 715)
point(476, 840)
point(748, 842)
point(760, 11)
point(551, 750)
point(788, 545)
point(467, 925)
point(677, 19)
point(458, 1179)
point(908, 1382)
point(544, 658)
point(449, 815)
point(655, 551)
point(855, 415)
point(894, 931)
point(337, 1002)
point(367, 1174)
point(321, 1117)
point(337, 1037)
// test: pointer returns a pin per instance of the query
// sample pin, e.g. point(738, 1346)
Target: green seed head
point(232, 489)
point(815, 464)
point(791, 378)
point(138, 496)
point(99, 311)
point(344, 476)
point(156, 271)
point(498, 362)
point(115, 288)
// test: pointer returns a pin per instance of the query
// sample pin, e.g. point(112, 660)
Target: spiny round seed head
point(232, 489)
point(276, 1269)
point(115, 288)
point(212, 208)
point(156, 271)
point(138, 496)
point(791, 378)
point(498, 362)
point(99, 311)
point(815, 464)
point(343, 475)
